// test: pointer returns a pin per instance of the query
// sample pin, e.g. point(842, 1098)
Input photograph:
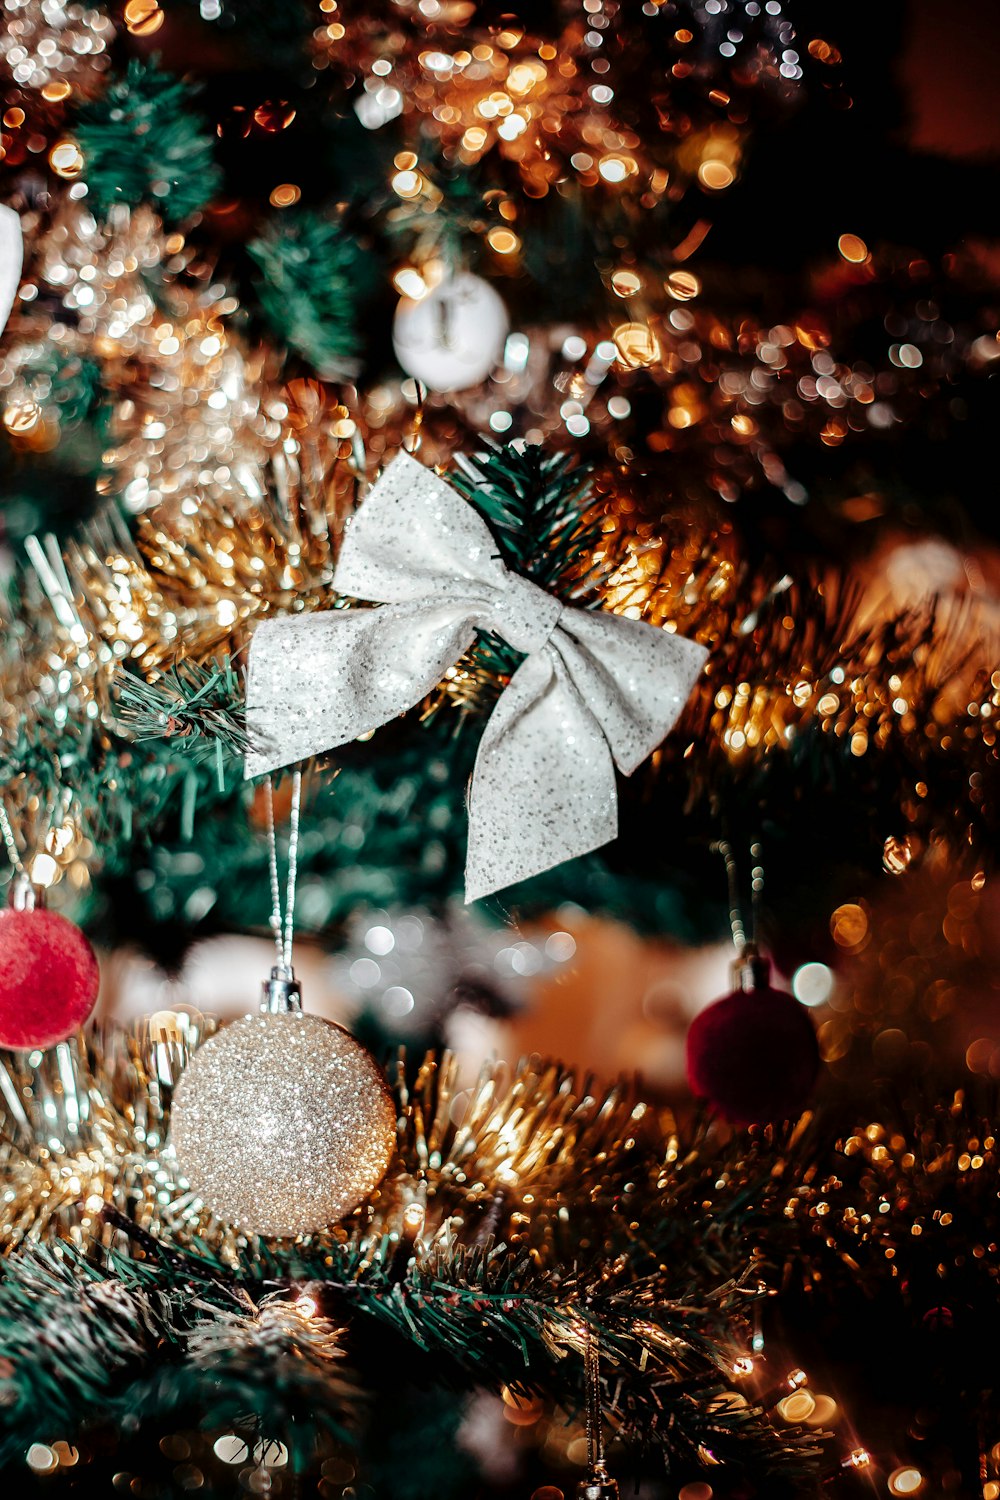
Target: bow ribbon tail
point(635, 678)
point(318, 681)
point(543, 789)
point(603, 692)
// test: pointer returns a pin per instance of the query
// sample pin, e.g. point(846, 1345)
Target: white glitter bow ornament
point(595, 690)
point(11, 255)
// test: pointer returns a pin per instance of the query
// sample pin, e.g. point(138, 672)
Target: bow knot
point(525, 615)
point(595, 690)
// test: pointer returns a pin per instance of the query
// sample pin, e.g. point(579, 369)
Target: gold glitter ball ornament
point(282, 1123)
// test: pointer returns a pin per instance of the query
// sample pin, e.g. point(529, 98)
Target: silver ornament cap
point(280, 994)
point(751, 970)
point(598, 1485)
point(24, 895)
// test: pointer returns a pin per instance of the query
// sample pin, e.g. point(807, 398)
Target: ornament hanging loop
point(598, 1485)
point(751, 970)
point(280, 995)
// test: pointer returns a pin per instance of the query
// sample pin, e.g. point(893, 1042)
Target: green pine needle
point(537, 505)
point(313, 283)
point(143, 143)
point(198, 707)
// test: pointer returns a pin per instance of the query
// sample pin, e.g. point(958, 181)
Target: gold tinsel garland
point(785, 657)
point(85, 1131)
point(241, 487)
point(530, 1157)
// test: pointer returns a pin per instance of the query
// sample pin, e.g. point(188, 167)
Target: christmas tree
point(535, 459)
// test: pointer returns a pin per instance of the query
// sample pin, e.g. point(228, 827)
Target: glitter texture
point(49, 978)
point(282, 1124)
point(595, 690)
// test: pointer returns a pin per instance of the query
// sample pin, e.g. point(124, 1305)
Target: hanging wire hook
point(598, 1484)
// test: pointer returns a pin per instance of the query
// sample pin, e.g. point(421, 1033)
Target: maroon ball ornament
point(753, 1055)
point(48, 973)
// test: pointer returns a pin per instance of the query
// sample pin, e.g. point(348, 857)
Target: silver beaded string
point(284, 930)
point(55, 815)
point(756, 893)
point(733, 883)
point(10, 842)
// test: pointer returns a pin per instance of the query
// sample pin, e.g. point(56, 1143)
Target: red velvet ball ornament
point(48, 978)
point(753, 1055)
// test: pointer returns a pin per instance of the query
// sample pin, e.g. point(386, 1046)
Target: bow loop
point(595, 690)
point(524, 614)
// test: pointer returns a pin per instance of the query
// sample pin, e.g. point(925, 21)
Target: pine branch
point(198, 708)
point(59, 1318)
point(539, 507)
point(151, 1339)
point(82, 1344)
point(314, 281)
point(143, 143)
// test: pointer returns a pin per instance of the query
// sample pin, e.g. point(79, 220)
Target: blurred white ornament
point(215, 978)
point(452, 336)
point(378, 104)
point(11, 255)
point(412, 972)
point(485, 1436)
point(929, 568)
